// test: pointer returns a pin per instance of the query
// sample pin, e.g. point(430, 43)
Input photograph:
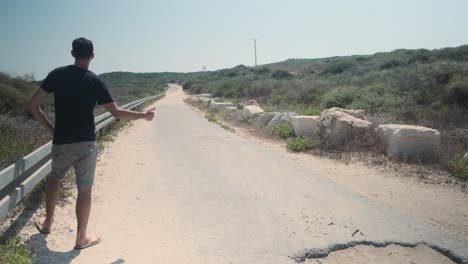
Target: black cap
point(82, 48)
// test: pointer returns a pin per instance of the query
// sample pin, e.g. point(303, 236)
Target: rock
point(406, 141)
point(280, 118)
point(216, 106)
point(203, 100)
point(356, 113)
point(345, 128)
point(306, 126)
point(204, 95)
point(262, 120)
point(250, 102)
point(249, 111)
point(465, 157)
point(232, 112)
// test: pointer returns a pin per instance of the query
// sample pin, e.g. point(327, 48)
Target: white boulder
point(465, 157)
point(341, 127)
point(249, 102)
point(249, 111)
point(203, 100)
point(217, 106)
point(406, 141)
point(204, 95)
point(262, 119)
point(280, 118)
point(306, 126)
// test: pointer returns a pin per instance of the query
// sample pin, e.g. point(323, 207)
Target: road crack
point(316, 253)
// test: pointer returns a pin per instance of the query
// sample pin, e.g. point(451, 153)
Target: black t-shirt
point(76, 92)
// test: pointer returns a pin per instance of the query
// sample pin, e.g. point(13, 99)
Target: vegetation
point(458, 167)
point(215, 117)
point(19, 135)
point(211, 117)
point(15, 251)
point(283, 130)
point(420, 87)
point(298, 144)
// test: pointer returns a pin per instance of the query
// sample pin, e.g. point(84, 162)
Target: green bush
point(262, 71)
point(281, 74)
point(246, 120)
point(390, 64)
point(298, 144)
point(341, 97)
point(187, 85)
point(338, 68)
point(308, 110)
point(457, 92)
point(277, 100)
point(283, 130)
point(15, 251)
point(458, 167)
point(212, 117)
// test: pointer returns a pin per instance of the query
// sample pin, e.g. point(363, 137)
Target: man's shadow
point(44, 255)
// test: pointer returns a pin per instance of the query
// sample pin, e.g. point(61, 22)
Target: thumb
point(151, 109)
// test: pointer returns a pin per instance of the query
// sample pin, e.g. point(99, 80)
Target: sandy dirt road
point(183, 190)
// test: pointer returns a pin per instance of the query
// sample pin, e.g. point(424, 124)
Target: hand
point(149, 114)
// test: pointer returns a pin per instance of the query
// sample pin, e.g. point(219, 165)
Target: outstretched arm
point(124, 114)
point(35, 109)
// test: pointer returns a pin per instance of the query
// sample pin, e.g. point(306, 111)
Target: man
point(76, 91)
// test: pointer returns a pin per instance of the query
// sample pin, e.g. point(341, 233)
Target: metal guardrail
point(20, 178)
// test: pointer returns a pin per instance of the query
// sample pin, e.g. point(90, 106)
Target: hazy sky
point(177, 35)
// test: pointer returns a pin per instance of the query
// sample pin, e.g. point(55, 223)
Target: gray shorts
point(81, 155)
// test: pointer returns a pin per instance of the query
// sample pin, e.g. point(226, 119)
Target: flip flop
point(88, 245)
point(40, 229)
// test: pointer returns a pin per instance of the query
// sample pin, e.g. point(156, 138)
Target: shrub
point(298, 144)
point(340, 97)
point(19, 136)
point(228, 88)
point(198, 88)
point(246, 120)
point(457, 92)
point(458, 167)
point(283, 130)
point(277, 100)
point(338, 68)
point(263, 71)
point(187, 85)
point(281, 74)
point(390, 64)
point(15, 251)
point(419, 58)
point(308, 110)
point(212, 118)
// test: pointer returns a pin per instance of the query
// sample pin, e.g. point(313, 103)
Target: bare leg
point(52, 196)
point(83, 209)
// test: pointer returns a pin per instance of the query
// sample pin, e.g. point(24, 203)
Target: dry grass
point(19, 136)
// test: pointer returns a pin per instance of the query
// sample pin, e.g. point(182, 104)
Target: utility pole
point(255, 47)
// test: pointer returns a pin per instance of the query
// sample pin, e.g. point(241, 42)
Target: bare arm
point(124, 114)
point(35, 109)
